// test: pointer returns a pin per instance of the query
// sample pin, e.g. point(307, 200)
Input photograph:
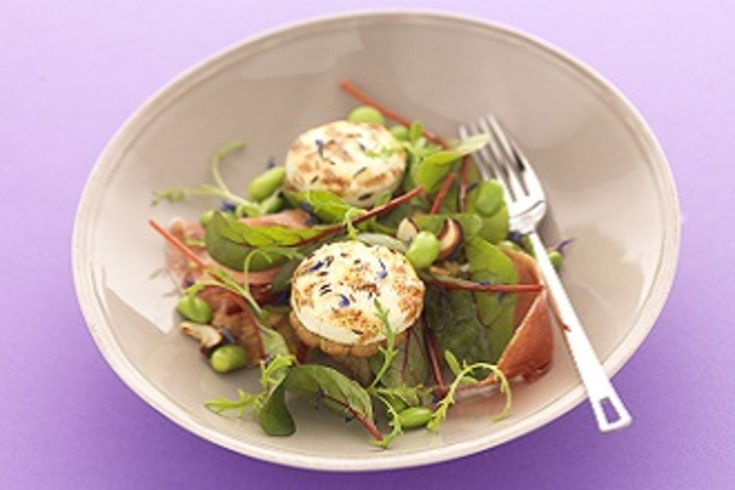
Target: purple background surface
point(73, 71)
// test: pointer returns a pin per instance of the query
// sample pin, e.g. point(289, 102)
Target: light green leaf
point(325, 205)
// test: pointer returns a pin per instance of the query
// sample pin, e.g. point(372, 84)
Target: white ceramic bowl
point(607, 181)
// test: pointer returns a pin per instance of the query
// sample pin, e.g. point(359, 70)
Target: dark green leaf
point(274, 417)
point(453, 318)
point(410, 367)
point(489, 263)
point(314, 381)
point(225, 251)
point(284, 275)
point(229, 242)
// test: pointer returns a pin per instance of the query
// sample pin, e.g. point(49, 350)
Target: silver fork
point(502, 159)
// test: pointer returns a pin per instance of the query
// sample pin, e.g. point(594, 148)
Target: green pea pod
point(195, 309)
point(229, 357)
point(267, 183)
point(414, 417)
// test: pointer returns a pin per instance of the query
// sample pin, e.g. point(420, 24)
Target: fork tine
point(481, 166)
point(528, 176)
point(487, 159)
point(503, 155)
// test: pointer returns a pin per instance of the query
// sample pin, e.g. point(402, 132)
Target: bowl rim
point(106, 163)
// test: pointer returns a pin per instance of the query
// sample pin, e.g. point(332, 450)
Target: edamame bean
point(527, 245)
point(556, 258)
point(206, 217)
point(423, 250)
point(414, 417)
point(267, 183)
point(272, 204)
point(511, 245)
point(395, 402)
point(195, 309)
point(366, 114)
point(399, 132)
point(228, 357)
point(489, 197)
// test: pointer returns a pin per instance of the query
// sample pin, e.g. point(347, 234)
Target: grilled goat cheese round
point(333, 295)
point(356, 161)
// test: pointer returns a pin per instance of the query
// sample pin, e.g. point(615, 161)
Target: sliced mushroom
point(450, 237)
point(407, 229)
point(209, 337)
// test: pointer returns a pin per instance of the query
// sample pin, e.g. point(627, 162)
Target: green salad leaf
point(495, 311)
point(435, 166)
point(269, 405)
point(274, 417)
point(410, 367)
point(229, 242)
point(330, 387)
point(454, 320)
point(325, 205)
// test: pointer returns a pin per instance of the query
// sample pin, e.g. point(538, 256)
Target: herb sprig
point(389, 351)
point(271, 376)
point(176, 194)
point(463, 376)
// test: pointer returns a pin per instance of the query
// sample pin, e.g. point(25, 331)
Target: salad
point(373, 274)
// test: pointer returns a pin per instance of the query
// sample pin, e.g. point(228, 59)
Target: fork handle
point(598, 385)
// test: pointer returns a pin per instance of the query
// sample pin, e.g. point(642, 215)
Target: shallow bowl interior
point(607, 182)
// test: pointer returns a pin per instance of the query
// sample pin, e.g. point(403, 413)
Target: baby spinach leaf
point(489, 263)
point(434, 167)
point(274, 417)
point(334, 389)
point(410, 367)
point(258, 236)
point(453, 317)
point(229, 242)
point(225, 251)
point(274, 344)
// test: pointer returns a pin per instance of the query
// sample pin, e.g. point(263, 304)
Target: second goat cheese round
point(356, 161)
